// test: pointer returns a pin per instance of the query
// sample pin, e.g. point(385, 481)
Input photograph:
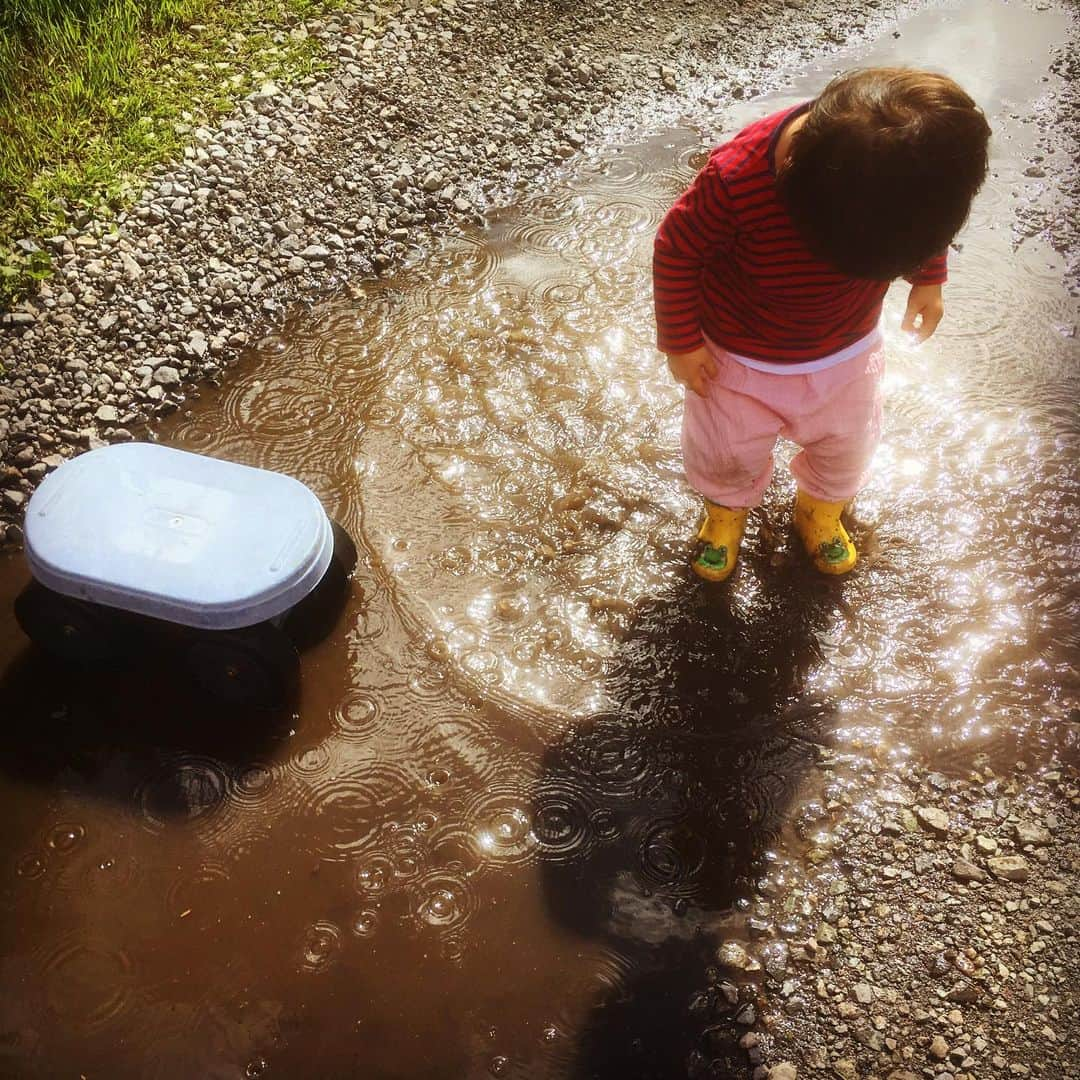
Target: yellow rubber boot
point(826, 540)
point(720, 535)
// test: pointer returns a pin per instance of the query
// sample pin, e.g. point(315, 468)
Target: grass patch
point(93, 92)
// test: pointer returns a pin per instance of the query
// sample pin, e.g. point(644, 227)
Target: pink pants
point(834, 415)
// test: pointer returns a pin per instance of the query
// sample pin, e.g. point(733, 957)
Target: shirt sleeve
point(934, 271)
point(695, 230)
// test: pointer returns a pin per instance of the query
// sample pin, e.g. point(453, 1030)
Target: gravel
point(919, 954)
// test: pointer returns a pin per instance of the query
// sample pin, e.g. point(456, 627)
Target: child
point(769, 275)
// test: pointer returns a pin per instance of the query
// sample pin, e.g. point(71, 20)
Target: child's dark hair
point(882, 173)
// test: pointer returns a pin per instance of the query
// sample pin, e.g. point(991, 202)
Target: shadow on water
point(74, 720)
point(690, 777)
point(74, 725)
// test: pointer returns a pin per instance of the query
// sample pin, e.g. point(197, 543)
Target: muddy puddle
point(537, 770)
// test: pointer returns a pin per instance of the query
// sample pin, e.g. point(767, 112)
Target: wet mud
point(537, 772)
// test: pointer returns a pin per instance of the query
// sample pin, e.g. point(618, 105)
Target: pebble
point(933, 819)
point(132, 270)
point(732, 956)
point(939, 1048)
point(1010, 867)
point(1030, 834)
point(966, 871)
point(166, 376)
point(785, 1070)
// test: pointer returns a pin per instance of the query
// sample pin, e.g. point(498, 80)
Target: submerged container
point(145, 531)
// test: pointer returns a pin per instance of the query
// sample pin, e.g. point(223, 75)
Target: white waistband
point(848, 352)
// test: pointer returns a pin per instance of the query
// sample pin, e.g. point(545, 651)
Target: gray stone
point(263, 98)
point(746, 1016)
point(107, 414)
point(132, 270)
point(196, 344)
point(166, 376)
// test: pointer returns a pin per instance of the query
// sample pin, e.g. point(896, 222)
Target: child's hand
point(693, 369)
point(924, 301)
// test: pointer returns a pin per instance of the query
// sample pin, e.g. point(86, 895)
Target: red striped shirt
point(728, 263)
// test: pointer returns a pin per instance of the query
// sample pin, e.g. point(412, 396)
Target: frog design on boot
point(823, 535)
point(720, 535)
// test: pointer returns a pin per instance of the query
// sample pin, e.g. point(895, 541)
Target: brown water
point(538, 768)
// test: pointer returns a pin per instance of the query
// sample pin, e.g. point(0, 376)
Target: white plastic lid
point(177, 536)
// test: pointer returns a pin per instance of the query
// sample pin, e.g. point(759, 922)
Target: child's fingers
point(930, 318)
point(908, 325)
